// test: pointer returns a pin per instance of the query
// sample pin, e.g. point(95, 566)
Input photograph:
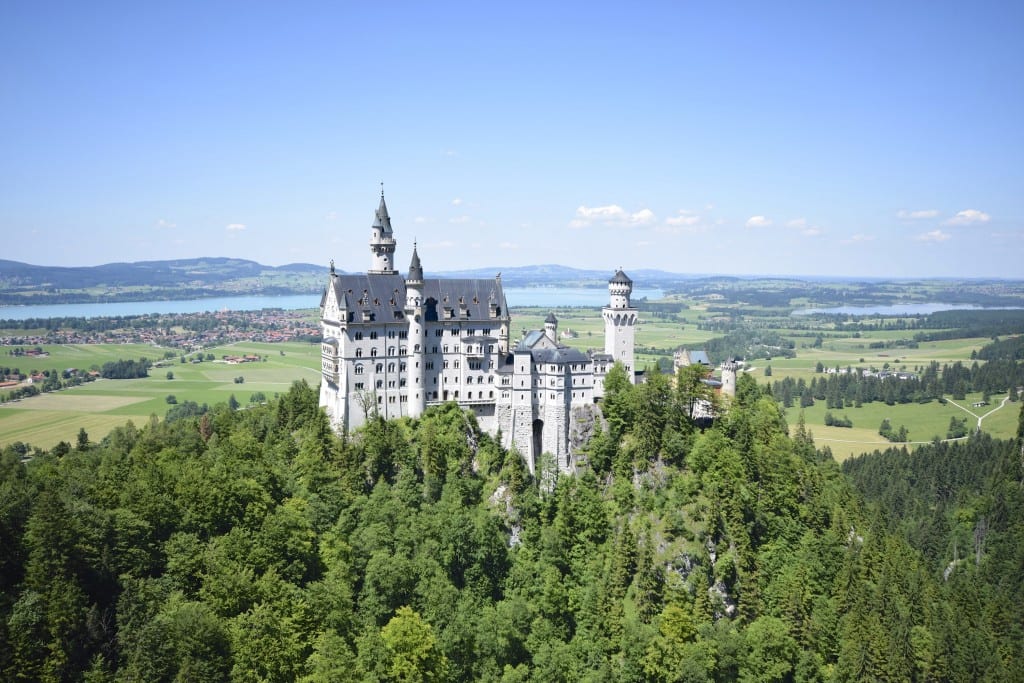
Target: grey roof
point(619, 277)
point(415, 269)
point(383, 294)
point(563, 354)
point(551, 318)
point(699, 357)
point(381, 219)
point(531, 338)
point(472, 296)
point(478, 339)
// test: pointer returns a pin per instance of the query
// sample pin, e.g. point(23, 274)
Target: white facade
point(393, 346)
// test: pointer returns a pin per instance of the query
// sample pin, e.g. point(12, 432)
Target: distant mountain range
point(217, 272)
point(198, 271)
point(23, 283)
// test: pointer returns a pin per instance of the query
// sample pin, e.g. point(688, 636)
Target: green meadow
point(99, 406)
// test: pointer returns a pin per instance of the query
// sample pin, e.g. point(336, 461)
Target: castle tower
point(620, 322)
point(551, 327)
point(414, 313)
point(382, 241)
point(729, 378)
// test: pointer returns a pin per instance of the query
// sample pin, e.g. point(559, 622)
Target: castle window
point(490, 379)
point(391, 399)
point(359, 385)
point(416, 349)
point(490, 348)
point(456, 362)
point(358, 336)
point(490, 394)
point(391, 350)
point(446, 348)
point(402, 366)
point(380, 367)
point(373, 335)
point(391, 334)
point(373, 352)
point(454, 332)
point(403, 334)
point(401, 350)
point(359, 369)
point(391, 384)
point(438, 332)
point(401, 383)
point(391, 367)
point(359, 353)
point(445, 365)
point(430, 365)
point(403, 399)
point(433, 350)
point(380, 384)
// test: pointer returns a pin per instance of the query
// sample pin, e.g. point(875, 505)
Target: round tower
point(620, 323)
point(551, 327)
point(729, 378)
point(382, 241)
point(417, 395)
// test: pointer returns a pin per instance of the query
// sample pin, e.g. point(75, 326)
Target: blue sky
point(857, 139)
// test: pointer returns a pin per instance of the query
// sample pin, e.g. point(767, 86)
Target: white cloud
point(969, 217)
point(612, 214)
point(684, 219)
point(449, 153)
point(457, 201)
point(933, 236)
point(459, 219)
point(758, 222)
point(812, 231)
point(165, 224)
point(508, 245)
point(797, 223)
point(858, 238)
point(235, 227)
point(905, 215)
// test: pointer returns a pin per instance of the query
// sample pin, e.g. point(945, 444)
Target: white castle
point(393, 346)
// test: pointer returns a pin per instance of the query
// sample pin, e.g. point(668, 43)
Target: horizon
point(744, 141)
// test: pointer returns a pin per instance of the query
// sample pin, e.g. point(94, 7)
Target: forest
point(257, 545)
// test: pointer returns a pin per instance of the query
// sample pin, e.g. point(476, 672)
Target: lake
point(516, 296)
point(895, 309)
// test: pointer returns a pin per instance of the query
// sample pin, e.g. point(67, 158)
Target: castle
point(393, 345)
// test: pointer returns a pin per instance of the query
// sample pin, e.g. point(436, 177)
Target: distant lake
point(516, 296)
point(895, 309)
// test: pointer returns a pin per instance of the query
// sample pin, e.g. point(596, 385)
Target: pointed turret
point(415, 269)
point(382, 219)
point(382, 241)
point(551, 327)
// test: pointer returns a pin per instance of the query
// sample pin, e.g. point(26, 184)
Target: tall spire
point(381, 219)
point(415, 269)
point(382, 240)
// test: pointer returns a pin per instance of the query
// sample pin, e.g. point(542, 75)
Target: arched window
point(391, 367)
point(359, 336)
point(391, 350)
point(359, 369)
point(373, 352)
point(380, 367)
point(359, 353)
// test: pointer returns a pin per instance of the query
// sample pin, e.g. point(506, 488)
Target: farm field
point(924, 422)
point(99, 406)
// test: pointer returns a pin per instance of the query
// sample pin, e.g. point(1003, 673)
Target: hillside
point(257, 545)
point(184, 278)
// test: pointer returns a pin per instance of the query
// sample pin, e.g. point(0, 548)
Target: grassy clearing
point(924, 422)
point(100, 406)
